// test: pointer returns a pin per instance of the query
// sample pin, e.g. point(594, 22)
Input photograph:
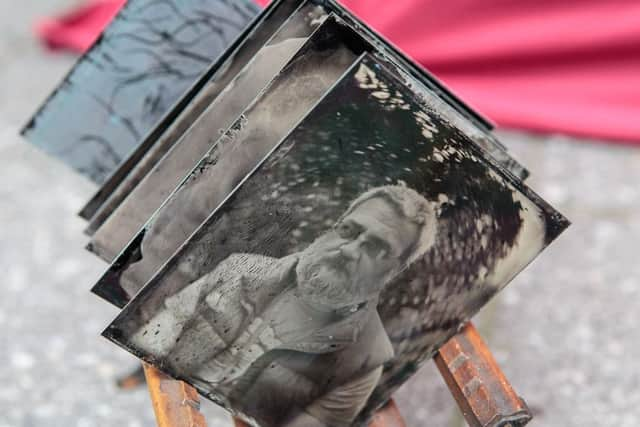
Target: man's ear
point(428, 233)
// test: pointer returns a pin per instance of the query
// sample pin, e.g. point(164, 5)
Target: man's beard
point(325, 276)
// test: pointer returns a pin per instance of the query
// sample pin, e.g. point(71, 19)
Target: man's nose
point(351, 250)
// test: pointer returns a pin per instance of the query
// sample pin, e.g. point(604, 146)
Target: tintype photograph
point(182, 115)
point(276, 28)
point(128, 217)
point(358, 245)
point(314, 69)
point(288, 97)
point(151, 53)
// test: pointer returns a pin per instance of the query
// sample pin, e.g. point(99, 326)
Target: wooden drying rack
point(481, 390)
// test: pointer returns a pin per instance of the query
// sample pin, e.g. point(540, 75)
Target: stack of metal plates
point(296, 223)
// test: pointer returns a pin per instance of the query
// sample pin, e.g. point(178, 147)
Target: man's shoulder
point(239, 272)
point(247, 263)
point(228, 271)
point(244, 264)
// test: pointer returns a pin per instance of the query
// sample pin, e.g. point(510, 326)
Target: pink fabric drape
point(77, 29)
point(568, 66)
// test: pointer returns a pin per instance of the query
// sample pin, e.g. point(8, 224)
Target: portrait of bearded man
point(297, 341)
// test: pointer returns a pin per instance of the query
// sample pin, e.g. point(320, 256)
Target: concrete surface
point(564, 331)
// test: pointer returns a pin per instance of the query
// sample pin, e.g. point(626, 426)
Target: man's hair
point(413, 207)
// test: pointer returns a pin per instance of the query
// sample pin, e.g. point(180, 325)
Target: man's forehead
point(379, 207)
point(382, 218)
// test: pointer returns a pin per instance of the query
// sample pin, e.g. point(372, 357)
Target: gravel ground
point(563, 331)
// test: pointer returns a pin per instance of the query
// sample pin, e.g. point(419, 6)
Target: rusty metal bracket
point(478, 384)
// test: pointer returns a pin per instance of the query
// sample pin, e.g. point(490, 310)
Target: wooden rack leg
point(477, 383)
point(482, 391)
point(389, 416)
point(131, 380)
point(175, 403)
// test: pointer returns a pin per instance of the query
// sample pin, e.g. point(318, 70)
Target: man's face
point(352, 262)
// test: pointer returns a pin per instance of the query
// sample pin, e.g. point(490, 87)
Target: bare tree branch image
point(142, 64)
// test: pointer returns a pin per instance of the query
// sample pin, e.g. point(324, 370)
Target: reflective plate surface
point(320, 62)
point(133, 213)
point(184, 112)
point(111, 237)
point(341, 263)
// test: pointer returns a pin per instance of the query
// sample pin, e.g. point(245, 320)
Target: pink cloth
point(79, 28)
point(568, 66)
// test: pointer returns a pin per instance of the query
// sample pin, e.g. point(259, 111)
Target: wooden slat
point(389, 416)
point(175, 403)
point(478, 384)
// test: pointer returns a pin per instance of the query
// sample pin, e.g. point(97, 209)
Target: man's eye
point(378, 248)
point(382, 254)
point(347, 231)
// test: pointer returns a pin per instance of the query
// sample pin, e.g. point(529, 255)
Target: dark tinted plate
point(143, 63)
